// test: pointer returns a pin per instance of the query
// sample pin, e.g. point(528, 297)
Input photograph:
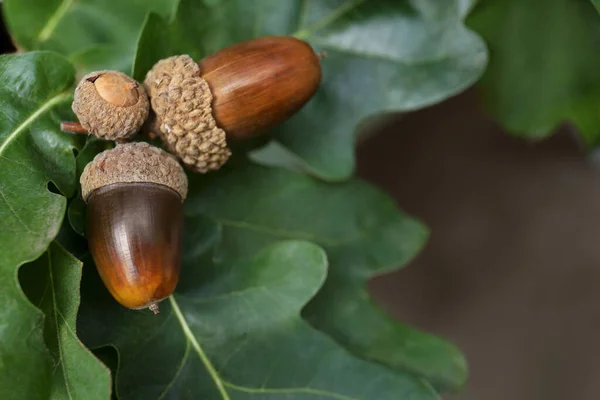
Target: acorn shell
point(134, 221)
point(103, 118)
point(181, 100)
point(136, 162)
point(134, 234)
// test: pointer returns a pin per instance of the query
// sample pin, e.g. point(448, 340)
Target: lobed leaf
point(364, 235)
point(32, 153)
point(540, 77)
point(233, 331)
point(52, 284)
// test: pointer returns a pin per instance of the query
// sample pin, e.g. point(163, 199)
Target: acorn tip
point(154, 308)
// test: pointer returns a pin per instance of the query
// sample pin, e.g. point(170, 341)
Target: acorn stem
point(73, 127)
point(154, 308)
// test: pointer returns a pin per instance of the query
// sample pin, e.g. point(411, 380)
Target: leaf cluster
point(272, 301)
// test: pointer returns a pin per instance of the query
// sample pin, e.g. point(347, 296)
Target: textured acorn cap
point(182, 99)
point(104, 118)
point(134, 163)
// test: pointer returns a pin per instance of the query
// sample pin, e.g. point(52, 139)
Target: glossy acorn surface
point(134, 233)
point(260, 83)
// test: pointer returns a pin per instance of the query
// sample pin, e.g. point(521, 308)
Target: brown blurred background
point(511, 272)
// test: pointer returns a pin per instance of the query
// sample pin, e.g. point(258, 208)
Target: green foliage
point(544, 65)
point(364, 235)
point(94, 34)
point(32, 152)
point(233, 331)
point(272, 301)
point(52, 284)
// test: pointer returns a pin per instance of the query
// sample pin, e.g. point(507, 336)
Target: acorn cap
point(110, 105)
point(136, 162)
point(182, 99)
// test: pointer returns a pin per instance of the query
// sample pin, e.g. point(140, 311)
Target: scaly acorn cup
point(134, 194)
point(110, 105)
point(235, 93)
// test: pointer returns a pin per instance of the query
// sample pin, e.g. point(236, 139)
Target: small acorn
point(110, 105)
point(235, 93)
point(134, 194)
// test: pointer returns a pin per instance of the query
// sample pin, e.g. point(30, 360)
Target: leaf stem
point(192, 339)
point(73, 127)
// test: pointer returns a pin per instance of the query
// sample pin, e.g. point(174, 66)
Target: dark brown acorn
point(235, 93)
point(134, 222)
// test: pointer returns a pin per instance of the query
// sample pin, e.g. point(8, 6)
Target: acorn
point(235, 93)
point(134, 195)
point(110, 105)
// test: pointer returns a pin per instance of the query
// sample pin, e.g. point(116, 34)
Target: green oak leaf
point(76, 209)
point(382, 55)
point(32, 152)
point(539, 77)
point(596, 4)
point(52, 284)
point(95, 34)
point(233, 331)
point(364, 235)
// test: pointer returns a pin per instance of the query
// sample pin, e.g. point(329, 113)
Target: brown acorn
point(235, 93)
point(134, 220)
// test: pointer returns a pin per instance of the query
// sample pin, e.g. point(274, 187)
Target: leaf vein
point(55, 309)
point(12, 210)
point(328, 19)
point(179, 371)
point(54, 19)
point(203, 357)
point(67, 325)
point(18, 163)
point(234, 352)
point(417, 62)
point(303, 14)
point(25, 124)
point(289, 391)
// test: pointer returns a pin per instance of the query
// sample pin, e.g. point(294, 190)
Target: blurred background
point(512, 268)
